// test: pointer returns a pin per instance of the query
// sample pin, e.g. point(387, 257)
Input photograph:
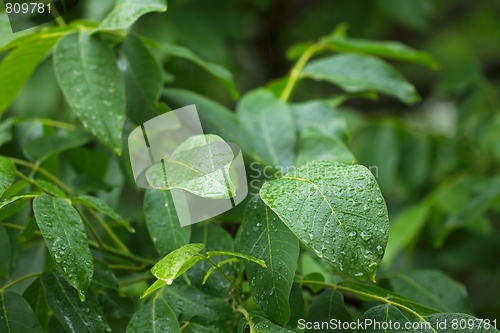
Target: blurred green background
point(437, 162)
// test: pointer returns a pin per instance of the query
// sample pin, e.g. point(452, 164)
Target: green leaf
point(192, 302)
point(321, 147)
point(154, 287)
point(126, 12)
point(18, 65)
point(41, 148)
point(264, 236)
point(7, 174)
point(385, 49)
point(93, 86)
point(199, 165)
point(270, 122)
point(218, 71)
point(6, 131)
point(16, 315)
point(297, 305)
point(251, 258)
point(387, 315)
point(378, 149)
point(98, 204)
point(29, 230)
point(172, 265)
point(35, 296)
point(163, 224)
point(143, 80)
point(50, 188)
point(433, 289)
point(154, 316)
point(268, 327)
point(317, 117)
point(104, 276)
point(75, 316)
point(327, 306)
point(215, 118)
point(12, 205)
point(335, 209)
point(354, 73)
point(5, 253)
point(66, 240)
point(404, 229)
point(414, 168)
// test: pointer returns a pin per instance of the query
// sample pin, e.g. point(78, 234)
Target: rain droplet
point(379, 200)
point(365, 236)
point(352, 235)
point(380, 250)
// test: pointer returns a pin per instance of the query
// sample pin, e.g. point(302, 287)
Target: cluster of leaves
point(316, 231)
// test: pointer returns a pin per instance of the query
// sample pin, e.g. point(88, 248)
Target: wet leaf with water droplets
point(64, 301)
point(16, 314)
point(154, 316)
point(328, 201)
point(162, 222)
point(66, 240)
point(177, 262)
point(86, 68)
point(278, 247)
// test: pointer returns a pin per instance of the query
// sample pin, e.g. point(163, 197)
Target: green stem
point(363, 294)
point(108, 230)
point(57, 16)
point(48, 122)
point(92, 230)
point(242, 310)
point(44, 172)
point(186, 324)
point(220, 270)
point(22, 278)
point(295, 73)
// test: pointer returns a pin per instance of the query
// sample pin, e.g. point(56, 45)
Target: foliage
point(321, 238)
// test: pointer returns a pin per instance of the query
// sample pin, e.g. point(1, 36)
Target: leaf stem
point(92, 230)
point(220, 270)
point(295, 72)
point(374, 297)
point(108, 230)
point(242, 310)
point(37, 168)
point(48, 122)
point(22, 278)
